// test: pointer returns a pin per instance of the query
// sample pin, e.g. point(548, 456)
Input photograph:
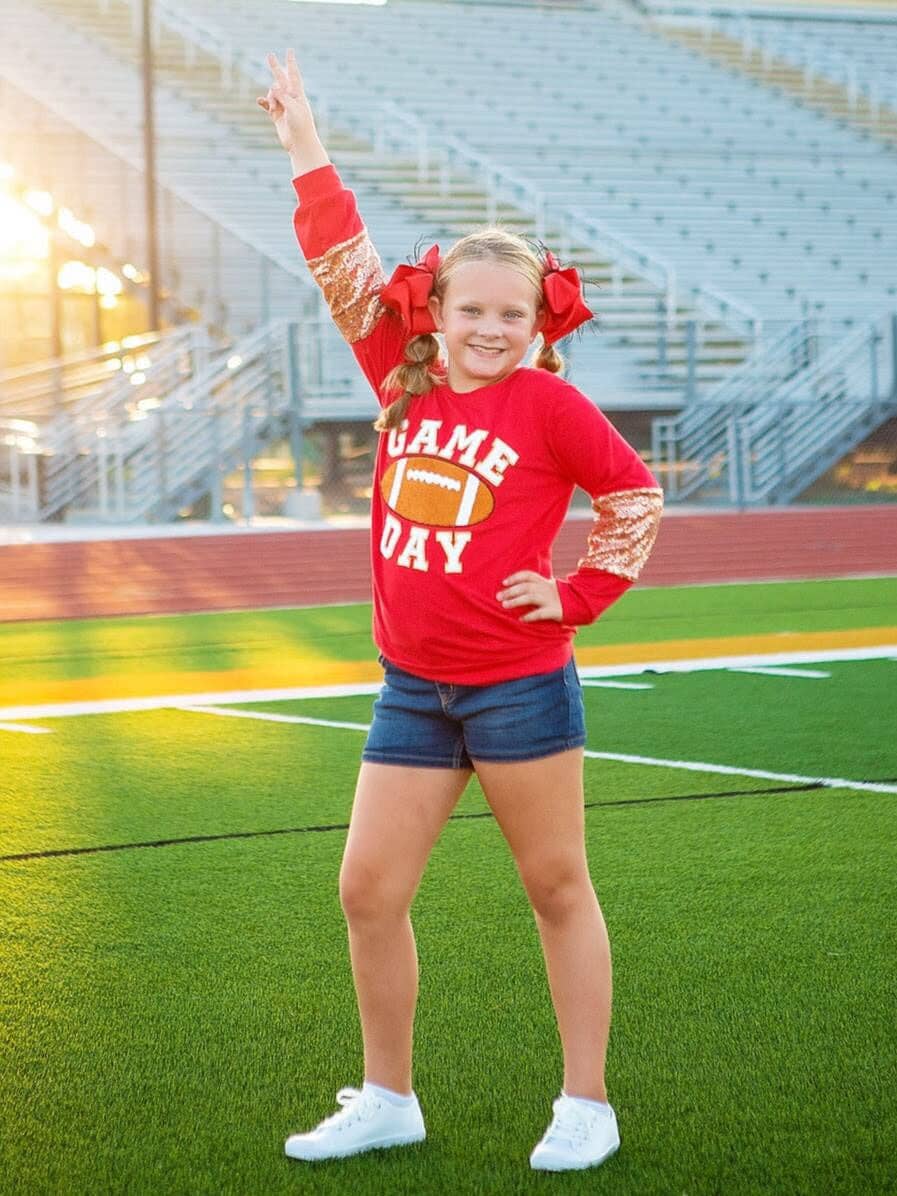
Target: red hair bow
point(409, 289)
point(564, 306)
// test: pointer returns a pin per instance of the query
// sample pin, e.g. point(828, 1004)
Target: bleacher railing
point(124, 457)
point(51, 407)
point(688, 448)
point(45, 388)
point(781, 418)
point(19, 456)
point(436, 155)
point(776, 450)
point(208, 426)
point(129, 463)
point(145, 455)
point(814, 61)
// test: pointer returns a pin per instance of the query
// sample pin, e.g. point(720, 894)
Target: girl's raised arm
point(333, 237)
point(287, 105)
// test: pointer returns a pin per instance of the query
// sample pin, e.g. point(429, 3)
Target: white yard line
point(762, 774)
point(761, 659)
point(208, 703)
point(590, 684)
point(273, 718)
point(224, 698)
point(688, 765)
point(812, 673)
point(359, 689)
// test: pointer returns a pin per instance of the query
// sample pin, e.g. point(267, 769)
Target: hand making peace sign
point(287, 105)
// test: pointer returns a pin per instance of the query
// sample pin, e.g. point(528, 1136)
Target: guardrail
point(19, 462)
point(807, 363)
point(688, 447)
point(128, 462)
point(735, 313)
point(129, 451)
point(782, 446)
point(115, 371)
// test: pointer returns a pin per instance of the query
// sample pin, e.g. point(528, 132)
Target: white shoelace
point(569, 1127)
point(355, 1106)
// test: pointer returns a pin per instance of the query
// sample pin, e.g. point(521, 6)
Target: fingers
point(288, 80)
point(543, 612)
point(531, 589)
point(295, 79)
point(271, 103)
point(521, 588)
point(278, 72)
point(523, 575)
point(519, 598)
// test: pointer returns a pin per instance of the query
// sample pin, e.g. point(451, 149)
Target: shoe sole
point(575, 1166)
point(383, 1144)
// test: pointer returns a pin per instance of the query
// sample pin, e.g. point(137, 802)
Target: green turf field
point(175, 989)
point(85, 648)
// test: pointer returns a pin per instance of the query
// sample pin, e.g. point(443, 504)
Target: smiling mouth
point(491, 350)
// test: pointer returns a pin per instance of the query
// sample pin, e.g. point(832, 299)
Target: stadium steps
point(782, 419)
point(655, 380)
point(825, 95)
point(251, 569)
point(641, 219)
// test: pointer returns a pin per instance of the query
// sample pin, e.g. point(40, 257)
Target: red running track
point(245, 570)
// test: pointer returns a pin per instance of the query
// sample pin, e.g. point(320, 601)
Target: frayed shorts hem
point(553, 749)
point(410, 761)
point(503, 758)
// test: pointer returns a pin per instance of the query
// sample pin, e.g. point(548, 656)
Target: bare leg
point(539, 806)
point(397, 816)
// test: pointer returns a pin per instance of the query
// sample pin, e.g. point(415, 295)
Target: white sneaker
point(365, 1122)
point(578, 1137)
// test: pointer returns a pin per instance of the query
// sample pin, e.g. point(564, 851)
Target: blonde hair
point(423, 367)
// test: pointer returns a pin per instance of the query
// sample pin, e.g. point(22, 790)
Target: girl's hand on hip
point(531, 589)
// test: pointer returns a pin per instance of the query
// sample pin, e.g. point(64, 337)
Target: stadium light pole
point(149, 164)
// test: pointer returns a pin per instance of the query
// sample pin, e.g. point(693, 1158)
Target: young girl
point(477, 461)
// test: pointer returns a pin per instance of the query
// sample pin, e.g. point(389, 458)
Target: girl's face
point(489, 316)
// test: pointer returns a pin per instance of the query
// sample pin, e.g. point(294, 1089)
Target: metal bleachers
point(609, 119)
point(202, 72)
point(782, 418)
point(839, 66)
point(712, 211)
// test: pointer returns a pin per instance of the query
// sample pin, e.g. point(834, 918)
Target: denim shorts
point(433, 724)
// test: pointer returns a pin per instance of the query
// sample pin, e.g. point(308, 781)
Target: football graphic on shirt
point(431, 490)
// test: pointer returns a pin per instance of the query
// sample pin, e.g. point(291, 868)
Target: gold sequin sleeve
point(624, 531)
point(351, 276)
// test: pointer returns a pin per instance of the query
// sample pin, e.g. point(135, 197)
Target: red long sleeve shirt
point(474, 487)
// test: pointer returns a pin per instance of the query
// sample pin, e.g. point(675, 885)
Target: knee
point(367, 895)
point(557, 891)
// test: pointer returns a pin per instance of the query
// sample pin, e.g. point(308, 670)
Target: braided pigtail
point(549, 359)
point(417, 375)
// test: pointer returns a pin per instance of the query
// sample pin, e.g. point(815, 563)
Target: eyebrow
point(513, 305)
